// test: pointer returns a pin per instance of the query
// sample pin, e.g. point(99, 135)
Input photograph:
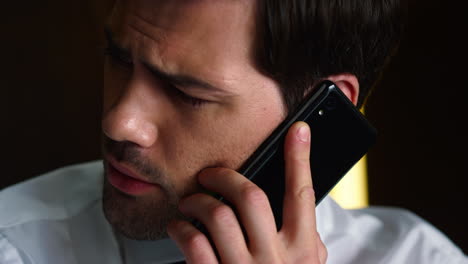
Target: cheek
point(246, 141)
point(254, 124)
point(232, 140)
point(225, 137)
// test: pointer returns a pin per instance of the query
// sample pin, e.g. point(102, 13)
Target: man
point(191, 89)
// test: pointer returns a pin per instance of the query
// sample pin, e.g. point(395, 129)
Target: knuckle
point(301, 159)
point(253, 194)
point(195, 241)
point(325, 253)
point(298, 156)
point(307, 194)
point(221, 213)
point(222, 171)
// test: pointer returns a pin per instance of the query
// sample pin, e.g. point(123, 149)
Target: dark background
point(51, 79)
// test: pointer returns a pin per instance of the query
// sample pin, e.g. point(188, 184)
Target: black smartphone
point(340, 137)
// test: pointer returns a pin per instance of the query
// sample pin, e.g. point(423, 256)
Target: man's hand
point(296, 242)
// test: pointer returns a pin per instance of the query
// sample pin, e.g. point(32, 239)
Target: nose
point(130, 118)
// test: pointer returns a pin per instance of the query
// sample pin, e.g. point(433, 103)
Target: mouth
point(126, 180)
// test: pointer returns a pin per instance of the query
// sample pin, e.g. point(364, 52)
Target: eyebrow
point(177, 79)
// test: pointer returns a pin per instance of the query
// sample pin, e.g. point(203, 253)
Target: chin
point(138, 218)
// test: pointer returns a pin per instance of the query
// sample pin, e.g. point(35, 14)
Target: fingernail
point(303, 134)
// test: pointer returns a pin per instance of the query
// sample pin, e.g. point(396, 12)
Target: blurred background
point(51, 79)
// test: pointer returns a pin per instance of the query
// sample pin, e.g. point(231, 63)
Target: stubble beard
point(136, 219)
point(139, 218)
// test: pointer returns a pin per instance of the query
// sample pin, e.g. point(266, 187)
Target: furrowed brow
point(114, 47)
point(182, 80)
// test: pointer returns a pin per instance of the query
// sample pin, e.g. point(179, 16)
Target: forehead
point(214, 37)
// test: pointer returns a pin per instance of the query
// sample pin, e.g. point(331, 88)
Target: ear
point(348, 84)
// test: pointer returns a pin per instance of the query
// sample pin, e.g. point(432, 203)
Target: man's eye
point(117, 59)
point(195, 102)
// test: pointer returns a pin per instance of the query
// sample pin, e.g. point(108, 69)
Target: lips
point(126, 181)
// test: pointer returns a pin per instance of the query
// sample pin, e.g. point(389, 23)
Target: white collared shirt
point(57, 218)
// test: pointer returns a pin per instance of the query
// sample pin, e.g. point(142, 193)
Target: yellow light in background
point(352, 191)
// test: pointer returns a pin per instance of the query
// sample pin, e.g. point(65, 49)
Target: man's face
point(181, 93)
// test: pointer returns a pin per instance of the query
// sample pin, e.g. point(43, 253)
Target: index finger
point(299, 224)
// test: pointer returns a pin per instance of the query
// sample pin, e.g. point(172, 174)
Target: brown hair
point(301, 42)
